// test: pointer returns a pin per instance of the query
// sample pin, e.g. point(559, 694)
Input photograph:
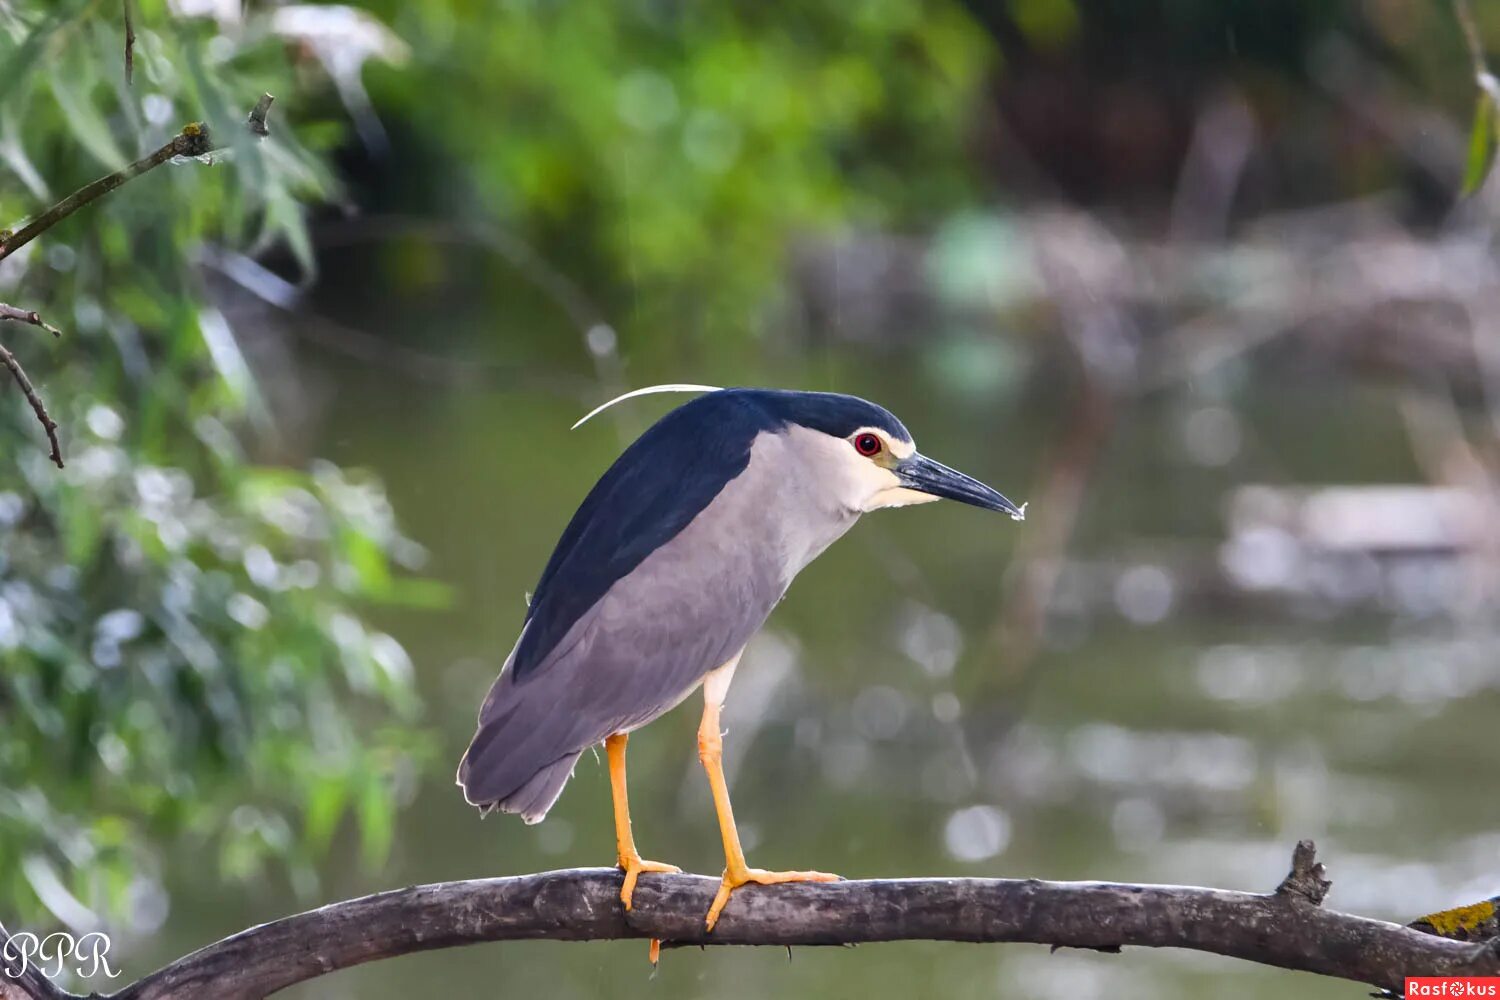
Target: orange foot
point(736, 877)
point(633, 866)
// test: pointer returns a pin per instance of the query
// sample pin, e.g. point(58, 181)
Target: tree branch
point(25, 978)
point(1286, 929)
point(9, 312)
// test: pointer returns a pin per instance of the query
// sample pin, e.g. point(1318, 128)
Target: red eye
point(867, 445)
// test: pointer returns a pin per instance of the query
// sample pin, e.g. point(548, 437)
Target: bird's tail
point(536, 796)
point(502, 769)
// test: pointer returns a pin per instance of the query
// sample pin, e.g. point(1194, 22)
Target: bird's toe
point(759, 876)
point(633, 867)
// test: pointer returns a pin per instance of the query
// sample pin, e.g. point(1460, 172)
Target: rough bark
point(1285, 928)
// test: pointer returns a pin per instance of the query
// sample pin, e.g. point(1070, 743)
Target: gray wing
point(639, 650)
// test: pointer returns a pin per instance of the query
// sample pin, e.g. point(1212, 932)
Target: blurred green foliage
point(674, 155)
point(1482, 137)
point(181, 650)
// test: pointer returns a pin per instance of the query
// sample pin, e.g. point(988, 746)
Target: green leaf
point(1481, 145)
point(84, 119)
point(284, 219)
point(367, 559)
point(377, 821)
point(19, 58)
point(325, 807)
point(416, 594)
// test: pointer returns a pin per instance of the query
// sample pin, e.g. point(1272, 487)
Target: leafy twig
point(193, 140)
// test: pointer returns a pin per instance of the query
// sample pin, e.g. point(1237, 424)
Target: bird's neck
point(805, 513)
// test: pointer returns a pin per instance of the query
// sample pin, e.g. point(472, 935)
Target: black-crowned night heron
point(673, 562)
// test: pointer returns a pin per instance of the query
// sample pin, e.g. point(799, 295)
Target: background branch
point(1286, 928)
point(129, 42)
point(8, 312)
point(29, 316)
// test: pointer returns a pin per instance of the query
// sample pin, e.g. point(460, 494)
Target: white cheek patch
point(898, 496)
point(853, 481)
point(867, 481)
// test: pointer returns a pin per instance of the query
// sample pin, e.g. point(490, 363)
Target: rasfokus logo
point(86, 956)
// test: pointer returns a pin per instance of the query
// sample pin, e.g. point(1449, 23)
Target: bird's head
point(850, 449)
point(867, 457)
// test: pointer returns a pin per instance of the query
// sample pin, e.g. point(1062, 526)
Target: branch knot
point(193, 140)
point(1308, 880)
point(256, 121)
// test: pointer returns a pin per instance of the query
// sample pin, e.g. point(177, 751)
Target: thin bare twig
point(48, 424)
point(129, 42)
point(256, 120)
point(27, 316)
point(9, 312)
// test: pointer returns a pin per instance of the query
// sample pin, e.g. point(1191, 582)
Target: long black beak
point(926, 476)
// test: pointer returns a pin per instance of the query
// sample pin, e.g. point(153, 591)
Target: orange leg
point(736, 871)
point(627, 857)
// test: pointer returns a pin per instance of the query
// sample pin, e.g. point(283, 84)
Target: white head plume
point(668, 387)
